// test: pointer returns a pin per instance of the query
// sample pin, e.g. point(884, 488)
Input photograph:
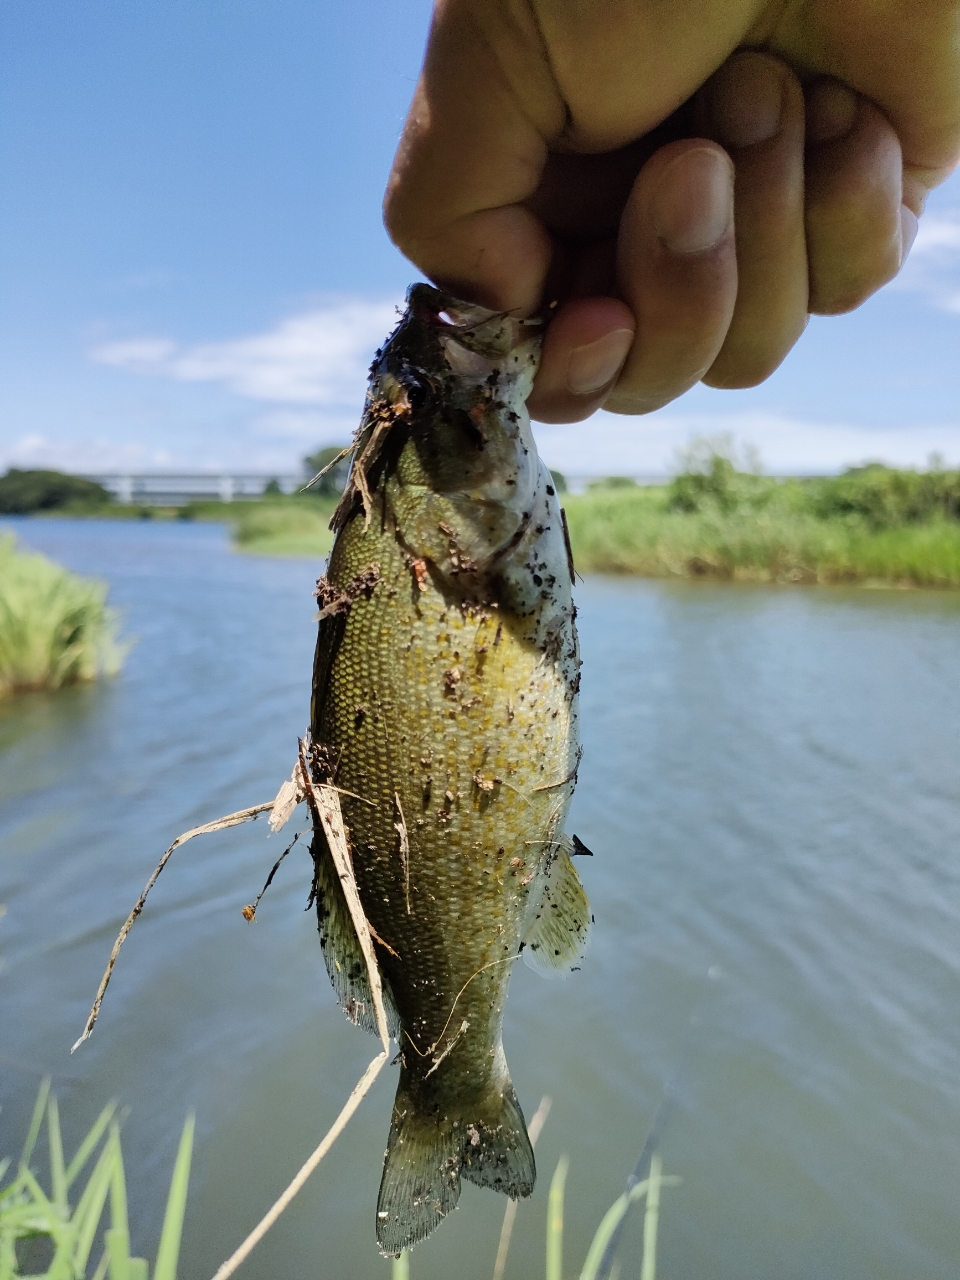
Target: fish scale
point(445, 698)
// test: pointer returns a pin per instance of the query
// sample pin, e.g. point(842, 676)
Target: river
point(771, 787)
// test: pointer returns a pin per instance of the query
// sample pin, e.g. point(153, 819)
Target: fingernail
point(909, 226)
point(593, 365)
point(747, 102)
point(693, 205)
point(831, 111)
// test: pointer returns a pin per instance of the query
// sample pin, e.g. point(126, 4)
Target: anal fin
point(557, 934)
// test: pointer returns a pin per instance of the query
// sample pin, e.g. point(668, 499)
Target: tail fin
point(483, 1139)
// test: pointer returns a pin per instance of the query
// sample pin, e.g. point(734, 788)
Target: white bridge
point(175, 489)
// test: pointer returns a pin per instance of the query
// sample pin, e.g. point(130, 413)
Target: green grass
point(649, 1190)
point(34, 1219)
point(55, 626)
point(872, 525)
point(283, 526)
point(636, 531)
point(63, 1219)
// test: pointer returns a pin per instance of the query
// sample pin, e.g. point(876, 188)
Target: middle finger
point(754, 107)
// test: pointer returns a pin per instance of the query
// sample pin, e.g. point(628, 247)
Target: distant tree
point(24, 491)
point(715, 475)
point(332, 484)
point(614, 482)
point(559, 481)
point(272, 488)
point(887, 497)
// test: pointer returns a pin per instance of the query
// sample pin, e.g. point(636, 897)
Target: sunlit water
point(771, 785)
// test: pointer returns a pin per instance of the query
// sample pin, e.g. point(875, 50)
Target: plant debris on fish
point(445, 713)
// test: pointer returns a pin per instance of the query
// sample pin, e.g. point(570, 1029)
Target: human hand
point(684, 204)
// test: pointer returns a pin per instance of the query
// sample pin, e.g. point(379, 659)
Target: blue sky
point(194, 273)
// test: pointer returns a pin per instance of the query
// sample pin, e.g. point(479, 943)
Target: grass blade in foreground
point(27, 1212)
point(651, 1218)
point(169, 1248)
point(510, 1213)
point(555, 1221)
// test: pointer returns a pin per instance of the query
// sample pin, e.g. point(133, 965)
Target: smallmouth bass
point(445, 710)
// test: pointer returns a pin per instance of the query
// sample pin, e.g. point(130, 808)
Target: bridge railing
point(175, 489)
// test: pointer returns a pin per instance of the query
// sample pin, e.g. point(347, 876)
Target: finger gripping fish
point(445, 710)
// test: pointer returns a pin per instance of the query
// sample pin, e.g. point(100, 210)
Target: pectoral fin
point(557, 935)
point(341, 948)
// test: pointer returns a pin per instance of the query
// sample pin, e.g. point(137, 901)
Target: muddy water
point(771, 785)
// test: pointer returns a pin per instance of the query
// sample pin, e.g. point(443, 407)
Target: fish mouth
point(491, 335)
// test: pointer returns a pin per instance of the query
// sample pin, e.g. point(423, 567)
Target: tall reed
point(55, 626)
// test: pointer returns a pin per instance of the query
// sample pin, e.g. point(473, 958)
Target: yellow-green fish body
point(445, 711)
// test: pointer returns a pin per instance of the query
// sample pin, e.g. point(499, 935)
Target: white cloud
point(936, 233)
point(303, 428)
point(88, 454)
point(319, 357)
point(606, 445)
point(613, 445)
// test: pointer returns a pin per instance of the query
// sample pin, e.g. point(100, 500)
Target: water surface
point(771, 786)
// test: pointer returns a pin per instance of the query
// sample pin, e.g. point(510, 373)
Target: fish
point(444, 710)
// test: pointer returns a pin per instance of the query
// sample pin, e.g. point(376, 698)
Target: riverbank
point(773, 531)
point(873, 525)
point(636, 531)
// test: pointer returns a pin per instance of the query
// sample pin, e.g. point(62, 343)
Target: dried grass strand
point(221, 824)
point(324, 804)
point(330, 465)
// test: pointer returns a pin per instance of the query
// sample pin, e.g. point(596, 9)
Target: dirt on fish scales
point(445, 697)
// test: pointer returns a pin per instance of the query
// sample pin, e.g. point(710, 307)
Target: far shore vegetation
point(873, 525)
point(55, 626)
point(719, 518)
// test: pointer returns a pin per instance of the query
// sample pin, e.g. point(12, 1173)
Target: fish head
point(468, 461)
point(475, 341)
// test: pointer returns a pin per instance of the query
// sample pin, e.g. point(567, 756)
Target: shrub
point(288, 526)
point(24, 491)
point(614, 482)
point(887, 497)
point(711, 480)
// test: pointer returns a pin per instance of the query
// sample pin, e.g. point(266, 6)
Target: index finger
point(467, 158)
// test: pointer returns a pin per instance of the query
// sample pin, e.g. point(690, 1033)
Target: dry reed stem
point(324, 804)
point(510, 1213)
point(330, 465)
point(221, 824)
